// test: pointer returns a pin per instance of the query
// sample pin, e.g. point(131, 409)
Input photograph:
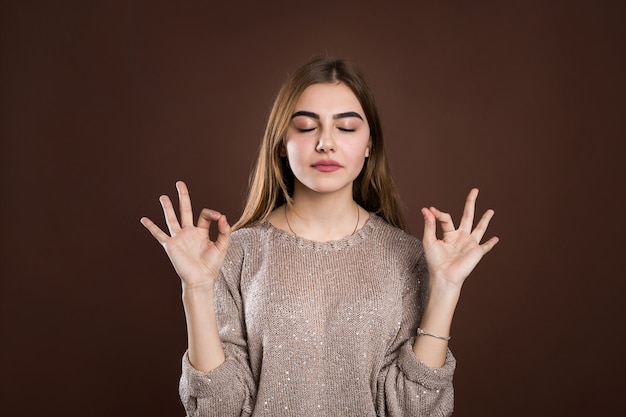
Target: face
point(327, 140)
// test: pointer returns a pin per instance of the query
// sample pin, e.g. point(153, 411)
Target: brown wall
point(106, 104)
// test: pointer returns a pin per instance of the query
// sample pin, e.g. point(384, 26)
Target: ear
point(283, 151)
point(369, 147)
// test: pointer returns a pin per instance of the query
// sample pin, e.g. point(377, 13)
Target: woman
point(318, 303)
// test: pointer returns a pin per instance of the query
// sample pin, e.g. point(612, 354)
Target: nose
point(326, 141)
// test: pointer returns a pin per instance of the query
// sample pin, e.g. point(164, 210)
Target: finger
point(184, 201)
point(430, 228)
point(170, 215)
point(467, 221)
point(158, 234)
point(206, 217)
point(223, 236)
point(481, 227)
point(447, 225)
point(488, 245)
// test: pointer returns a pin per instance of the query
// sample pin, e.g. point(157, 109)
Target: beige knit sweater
point(320, 329)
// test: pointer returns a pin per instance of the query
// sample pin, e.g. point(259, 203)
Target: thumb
point(430, 228)
point(223, 235)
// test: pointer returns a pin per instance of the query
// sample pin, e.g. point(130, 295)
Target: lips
point(327, 165)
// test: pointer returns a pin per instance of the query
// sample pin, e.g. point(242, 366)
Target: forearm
point(204, 343)
point(437, 320)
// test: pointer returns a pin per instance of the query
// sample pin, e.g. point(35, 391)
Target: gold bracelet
point(421, 332)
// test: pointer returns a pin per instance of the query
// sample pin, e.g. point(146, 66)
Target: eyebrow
point(335, 116)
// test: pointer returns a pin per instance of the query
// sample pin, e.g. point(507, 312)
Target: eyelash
point(343, 129)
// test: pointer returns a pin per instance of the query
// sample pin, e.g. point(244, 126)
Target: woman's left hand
point(453, 257)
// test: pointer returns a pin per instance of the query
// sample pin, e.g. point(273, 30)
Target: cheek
point(364, 146)
point(290, 149)
point(295, 152)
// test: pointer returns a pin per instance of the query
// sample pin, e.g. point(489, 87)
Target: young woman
point(318, 303)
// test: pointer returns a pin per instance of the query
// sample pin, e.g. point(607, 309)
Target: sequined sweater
point(320, 329)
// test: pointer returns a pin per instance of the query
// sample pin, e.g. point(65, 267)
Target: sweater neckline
point(343, 243)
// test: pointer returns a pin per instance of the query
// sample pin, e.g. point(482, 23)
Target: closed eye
point(305, 130)
point(345, 129)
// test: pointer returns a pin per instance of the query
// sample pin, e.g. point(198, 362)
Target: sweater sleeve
point(406, 386)
point(229, 389)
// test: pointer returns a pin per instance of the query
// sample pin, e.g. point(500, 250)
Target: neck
point(324, 217)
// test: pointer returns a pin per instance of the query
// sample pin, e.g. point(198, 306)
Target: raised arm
point(198, 261)
point(450, 261)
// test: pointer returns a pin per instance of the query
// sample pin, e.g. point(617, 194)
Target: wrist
point(443, 293)
point(198, 290)
point(440, 307)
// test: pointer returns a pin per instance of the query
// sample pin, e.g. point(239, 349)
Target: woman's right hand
point(196, 259)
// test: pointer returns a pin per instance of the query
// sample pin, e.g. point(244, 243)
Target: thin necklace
point(356, 226)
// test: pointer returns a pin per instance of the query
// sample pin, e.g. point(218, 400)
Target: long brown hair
point(271, 182)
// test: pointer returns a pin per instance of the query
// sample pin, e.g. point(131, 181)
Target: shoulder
point(244, 247)
point(394, 238)
point(248, 236)
point(395, 250)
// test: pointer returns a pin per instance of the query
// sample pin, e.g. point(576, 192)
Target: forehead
point(328, 98)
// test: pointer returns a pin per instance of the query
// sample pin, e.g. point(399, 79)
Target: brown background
point(106, 104)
